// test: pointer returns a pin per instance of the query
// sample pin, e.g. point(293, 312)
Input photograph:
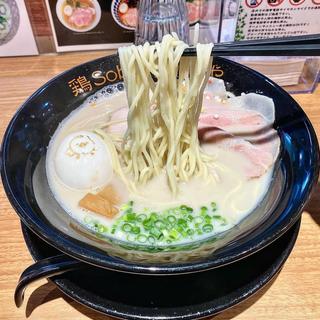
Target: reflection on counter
point(294, 74)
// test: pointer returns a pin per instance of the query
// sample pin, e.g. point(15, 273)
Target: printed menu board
point(102, 24)
point(260, 19)
point(16, 37)
point(91, 24)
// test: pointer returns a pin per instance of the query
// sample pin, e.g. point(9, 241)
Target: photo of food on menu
point(103, 24)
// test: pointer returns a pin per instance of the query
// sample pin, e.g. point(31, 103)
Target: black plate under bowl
point(189, 296)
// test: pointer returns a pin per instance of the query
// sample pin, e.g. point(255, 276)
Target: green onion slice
point(126, 227)
point(151, 239)
point(172, 219)
point(207, 228)
point(142, 238)
point(141, 217)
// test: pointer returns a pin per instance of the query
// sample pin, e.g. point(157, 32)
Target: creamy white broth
point(235, 195)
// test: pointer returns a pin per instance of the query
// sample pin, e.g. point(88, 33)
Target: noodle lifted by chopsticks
point(164, 92)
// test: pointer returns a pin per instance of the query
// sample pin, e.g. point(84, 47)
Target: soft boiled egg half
point(83, 161)
point(67, 10)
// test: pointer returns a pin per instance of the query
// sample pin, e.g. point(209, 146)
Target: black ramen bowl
point(24, 179)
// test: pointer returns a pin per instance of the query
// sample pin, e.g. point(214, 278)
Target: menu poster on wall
point(16, 37)
point(104, 24)
point(92, 24)
point(260, 19)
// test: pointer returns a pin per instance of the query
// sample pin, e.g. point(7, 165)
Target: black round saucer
point(189, 296)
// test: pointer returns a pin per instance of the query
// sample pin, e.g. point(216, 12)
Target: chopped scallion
point(172, 219)
point(153, 216)
point(190, 232)
point(151, 239)
point(156, 232)
point(190, 217)
point(207, 228)
point(142, 238)
point(160, 224)
point(198, 220)
point(126, 227)
point(135, 230)
point(165, 233)
point(182, 223)
point(167, 226)
point(174, 234)
point(141, 217)
point(213, 206)
point(204, 209)
point(222, 220)
point(147, 224)
point(102, 228)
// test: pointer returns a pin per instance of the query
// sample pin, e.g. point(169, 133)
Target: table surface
point(294, 294)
